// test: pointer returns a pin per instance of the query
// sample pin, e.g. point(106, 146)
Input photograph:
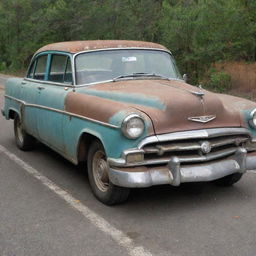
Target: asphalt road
point(46, 208)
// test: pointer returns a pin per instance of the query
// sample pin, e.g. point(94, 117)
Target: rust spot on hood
point(168, 104)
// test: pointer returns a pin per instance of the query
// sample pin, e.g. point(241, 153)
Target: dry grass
point(246, 95)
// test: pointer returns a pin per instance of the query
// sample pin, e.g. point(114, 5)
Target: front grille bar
point(190, 146)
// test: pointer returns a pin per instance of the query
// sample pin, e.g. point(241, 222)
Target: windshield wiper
point(140, 75)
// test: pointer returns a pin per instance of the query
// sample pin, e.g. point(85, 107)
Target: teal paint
point(134, 98)
point(12, 88)
point(60, 131)
point(112, 139)
point(50, 123)
point(247, 116)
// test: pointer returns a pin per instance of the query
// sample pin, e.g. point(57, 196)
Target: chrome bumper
point(175, 174)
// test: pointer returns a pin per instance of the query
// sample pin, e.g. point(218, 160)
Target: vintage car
point(123, 108)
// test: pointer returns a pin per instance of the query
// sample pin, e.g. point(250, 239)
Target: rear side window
point(60, 71)
point(40, 67)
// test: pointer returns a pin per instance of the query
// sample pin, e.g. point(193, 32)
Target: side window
point(68, 73)
point(60, 71)
point(31, 70)
point(40, 67)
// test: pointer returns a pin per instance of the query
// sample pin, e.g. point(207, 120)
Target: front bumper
point(175, 173)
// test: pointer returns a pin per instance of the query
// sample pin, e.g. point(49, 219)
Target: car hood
point(170, 104)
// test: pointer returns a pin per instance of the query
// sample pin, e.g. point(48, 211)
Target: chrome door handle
point(40, 88)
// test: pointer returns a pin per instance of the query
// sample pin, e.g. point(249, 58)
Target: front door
point(30, 93)
point(51, 101)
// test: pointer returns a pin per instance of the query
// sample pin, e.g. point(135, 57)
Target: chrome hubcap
point(100, 171)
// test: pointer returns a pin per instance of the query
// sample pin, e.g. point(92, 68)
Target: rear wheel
point(101, 186)
point(229, 180)
point(23, 140)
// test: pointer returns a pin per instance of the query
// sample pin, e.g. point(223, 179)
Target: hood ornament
point(202, 119)
point(198, 94)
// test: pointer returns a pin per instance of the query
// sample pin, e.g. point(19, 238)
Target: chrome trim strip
point(15, 99)
point(228, 131)
point(123, 48)
point(120, 162)
point(189, 146)
point(132, 151)
point(48, 82)
point(73, 71)
point(194, 134)
point(61, 111)
point(148, 140)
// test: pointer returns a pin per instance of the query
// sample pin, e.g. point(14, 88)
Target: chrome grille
point(192, 151)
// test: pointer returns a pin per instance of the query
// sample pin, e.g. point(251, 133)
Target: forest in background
point(198, 32)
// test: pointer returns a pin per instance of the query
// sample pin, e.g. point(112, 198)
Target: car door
point(51, 100)
point(30, 88)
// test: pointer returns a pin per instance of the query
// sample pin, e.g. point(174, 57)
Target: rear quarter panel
point(12, 89)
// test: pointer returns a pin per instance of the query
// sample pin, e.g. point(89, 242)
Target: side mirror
point(185, 77)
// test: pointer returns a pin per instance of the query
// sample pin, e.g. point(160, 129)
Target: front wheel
point(23, 140)
point(229, 180)
point(103, 189)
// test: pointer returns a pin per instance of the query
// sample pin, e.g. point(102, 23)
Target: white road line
point(117, 235)
point(254, 172)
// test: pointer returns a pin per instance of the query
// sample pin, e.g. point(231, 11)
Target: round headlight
point(133, 126)
point(253, 118)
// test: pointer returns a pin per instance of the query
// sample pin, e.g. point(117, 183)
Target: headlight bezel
point(125, 123)
point(252, 120)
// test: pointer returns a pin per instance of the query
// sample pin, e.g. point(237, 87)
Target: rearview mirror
point(185, 77)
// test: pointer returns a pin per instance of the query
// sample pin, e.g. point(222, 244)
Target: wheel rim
point(100, 171)
point(20, 132)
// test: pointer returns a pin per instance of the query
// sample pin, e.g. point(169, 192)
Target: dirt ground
point(243, 78)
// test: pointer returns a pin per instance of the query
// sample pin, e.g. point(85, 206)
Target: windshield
point(98, 66)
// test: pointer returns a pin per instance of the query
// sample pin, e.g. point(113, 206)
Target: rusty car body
point(122, 107)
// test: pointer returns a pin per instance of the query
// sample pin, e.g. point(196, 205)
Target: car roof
point(79, 46)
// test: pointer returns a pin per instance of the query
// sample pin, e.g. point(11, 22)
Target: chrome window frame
point(34, 58)
point(115, 49)
point(72, 56)
point(36, 63)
